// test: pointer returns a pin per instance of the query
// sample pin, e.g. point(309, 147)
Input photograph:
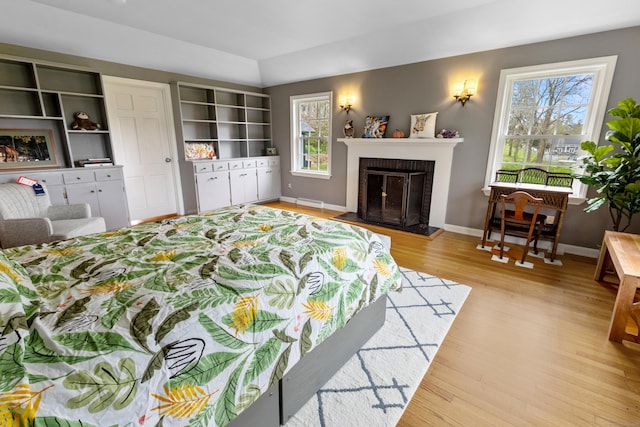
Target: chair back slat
point(534, 176)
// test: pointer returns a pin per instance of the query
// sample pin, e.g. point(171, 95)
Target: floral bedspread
point(182, 322)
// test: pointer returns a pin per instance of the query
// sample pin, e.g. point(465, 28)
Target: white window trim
point(603, 69)
point(294, 131)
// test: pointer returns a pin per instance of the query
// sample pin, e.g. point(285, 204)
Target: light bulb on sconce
point(463, 90)
point(346, 103)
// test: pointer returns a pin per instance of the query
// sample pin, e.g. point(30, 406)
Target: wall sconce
point(463, 90)
point(346, 103)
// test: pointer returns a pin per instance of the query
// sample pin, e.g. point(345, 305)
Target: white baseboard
point(313, 203)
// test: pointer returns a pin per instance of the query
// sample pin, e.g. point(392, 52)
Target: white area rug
point(375, 385)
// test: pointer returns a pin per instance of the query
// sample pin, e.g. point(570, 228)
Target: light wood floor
point(529, 347)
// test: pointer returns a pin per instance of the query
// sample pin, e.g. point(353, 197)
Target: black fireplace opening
point(395, 193)
point(393, 196)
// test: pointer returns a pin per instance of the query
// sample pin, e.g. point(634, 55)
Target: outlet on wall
point(289, 185)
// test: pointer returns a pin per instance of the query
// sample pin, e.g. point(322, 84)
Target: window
point(311, 135)
point(544, 112)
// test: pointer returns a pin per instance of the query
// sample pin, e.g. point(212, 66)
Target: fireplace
point(438, 150)
point(395, 192)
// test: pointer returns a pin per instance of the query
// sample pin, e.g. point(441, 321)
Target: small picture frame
point(271, 151)
point(27, 148)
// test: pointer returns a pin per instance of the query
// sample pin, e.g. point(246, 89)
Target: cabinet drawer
point(76, 177)
point(249, 163)
point(262, 162)
point(48, 179)
point(274, 161)
point(235, 164)
point(202, 167)
point(108, 175)
point(220, 166)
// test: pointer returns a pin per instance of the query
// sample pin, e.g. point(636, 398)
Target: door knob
point(167, 159)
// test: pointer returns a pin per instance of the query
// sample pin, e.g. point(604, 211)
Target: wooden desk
point(555, 198)
point(623, 251)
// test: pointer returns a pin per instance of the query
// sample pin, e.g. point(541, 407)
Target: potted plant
point(614, 170)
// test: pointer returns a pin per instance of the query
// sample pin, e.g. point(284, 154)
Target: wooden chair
point(518, 222)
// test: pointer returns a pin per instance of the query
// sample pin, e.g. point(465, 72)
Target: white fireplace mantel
point(439, 150)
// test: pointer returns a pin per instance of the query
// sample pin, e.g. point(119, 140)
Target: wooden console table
point(555, 198)
point(623, 251)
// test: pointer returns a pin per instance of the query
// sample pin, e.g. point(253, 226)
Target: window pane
point(520, 121)
point(544, 122)
point(550, 91)
point(513, 152)
point(524, 93)
point(571, 120)
point(578, 90)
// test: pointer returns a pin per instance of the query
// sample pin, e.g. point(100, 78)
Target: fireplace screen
point(393, 197)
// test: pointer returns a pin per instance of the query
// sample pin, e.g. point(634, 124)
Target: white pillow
point(423, 125)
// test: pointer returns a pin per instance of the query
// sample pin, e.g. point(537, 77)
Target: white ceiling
point(265, 43)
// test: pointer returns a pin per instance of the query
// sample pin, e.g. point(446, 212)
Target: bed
point(226, 318)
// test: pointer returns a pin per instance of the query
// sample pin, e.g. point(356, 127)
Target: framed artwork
point(375, 126)
point(27, 148)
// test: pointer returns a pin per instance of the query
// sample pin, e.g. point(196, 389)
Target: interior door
point(143, 139)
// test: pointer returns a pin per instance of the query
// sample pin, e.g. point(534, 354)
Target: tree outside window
point(311, 135)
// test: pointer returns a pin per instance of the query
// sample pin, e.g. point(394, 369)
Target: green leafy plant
point(614, 170)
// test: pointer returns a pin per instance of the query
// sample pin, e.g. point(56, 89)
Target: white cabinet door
point(213, 190)
point(107, 199)
point(85, 193)
point(56, 194)
point(268, 183)
point(113, 204)
point(244, 186)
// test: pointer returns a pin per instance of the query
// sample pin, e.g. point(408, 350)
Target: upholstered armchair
point(27, 218)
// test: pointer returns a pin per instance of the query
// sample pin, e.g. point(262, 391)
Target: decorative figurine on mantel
point(82, 122)
point(349, 131)
point(448, 133)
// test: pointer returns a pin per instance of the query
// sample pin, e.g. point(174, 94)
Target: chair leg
point(525, 252)
point(538, 232)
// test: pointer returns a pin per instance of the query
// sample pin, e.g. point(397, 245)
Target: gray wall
point(425, 87)
point(138, 73)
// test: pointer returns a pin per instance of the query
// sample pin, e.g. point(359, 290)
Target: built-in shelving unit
point(36, 95)
point(220, 123)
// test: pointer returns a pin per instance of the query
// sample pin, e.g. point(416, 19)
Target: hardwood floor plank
point(529, 347)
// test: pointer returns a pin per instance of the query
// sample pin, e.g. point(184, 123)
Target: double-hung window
point(544, 112)
point(311, 135)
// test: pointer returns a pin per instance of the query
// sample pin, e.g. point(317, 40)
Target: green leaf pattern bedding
point(182, 322)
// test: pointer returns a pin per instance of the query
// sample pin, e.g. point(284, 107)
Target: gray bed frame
point(285, 398)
